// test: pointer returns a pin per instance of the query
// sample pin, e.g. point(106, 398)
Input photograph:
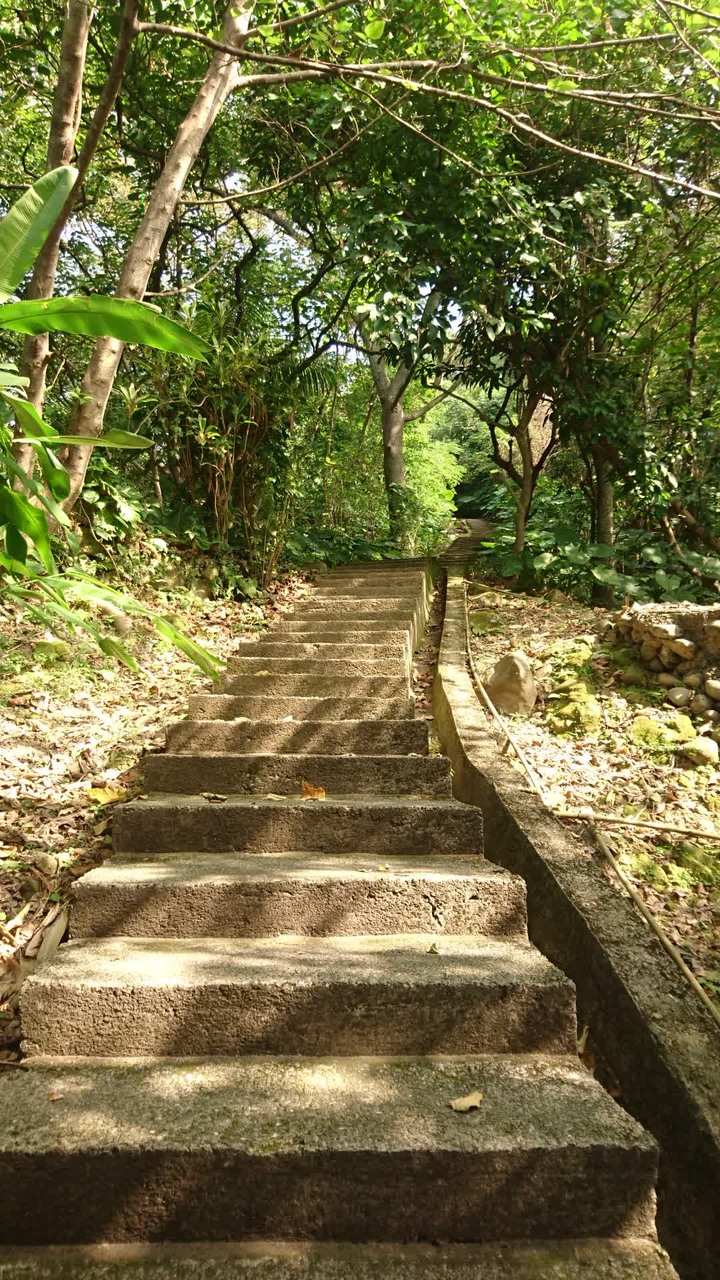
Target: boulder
point(701, 751)
point(667, 681)
point(512, 685)
point(679, 697)
point(712, 689)
point(577, 711)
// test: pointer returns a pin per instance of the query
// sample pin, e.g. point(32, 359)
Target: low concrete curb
point(651, 1029)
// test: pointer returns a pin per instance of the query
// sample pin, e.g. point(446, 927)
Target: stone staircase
point(243, 1063)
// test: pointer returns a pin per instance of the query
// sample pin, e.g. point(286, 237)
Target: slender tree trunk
point(524, 496)
point(64, 123)
point(63, 135)
point(390, 393)
point(220, 80)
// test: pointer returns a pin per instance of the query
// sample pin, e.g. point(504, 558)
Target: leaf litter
point(73, 731)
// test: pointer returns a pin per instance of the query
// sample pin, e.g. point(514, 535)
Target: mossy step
point(561, 1260)
point(318, 1150)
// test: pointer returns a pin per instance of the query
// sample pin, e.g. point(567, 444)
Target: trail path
point(299, 1010)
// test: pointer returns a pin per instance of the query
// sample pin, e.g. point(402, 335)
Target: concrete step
point(304, 1149)
point(300, 685)
point(192, 824)
point(396, 588)
point(317, 737)
point(345, 630)
point(285, 647)
point(216, 706)
point(563, 1260)
point(365, 994)
point(263, 894)
point(284, 774)
point(339, 605)
point(317, 665)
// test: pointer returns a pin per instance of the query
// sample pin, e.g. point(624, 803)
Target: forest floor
point(73, 729)
point(612, 769)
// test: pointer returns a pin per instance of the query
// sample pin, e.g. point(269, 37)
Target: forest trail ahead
point(300, 1007)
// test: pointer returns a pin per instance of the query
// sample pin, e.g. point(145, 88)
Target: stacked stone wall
point(680, 644)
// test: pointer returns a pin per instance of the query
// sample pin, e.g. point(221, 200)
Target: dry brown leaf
point(471, 1102)
point(433, 950)
point(272, 795)
point(262, 673)
point(214, 797)
point(311, 792)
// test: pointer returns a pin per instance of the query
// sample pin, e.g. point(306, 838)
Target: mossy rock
point(633, 675)
point(52, 651)
point(483, 623)
point(650, 735)
point(577, 712)
point(701, 864)
point(645, 868)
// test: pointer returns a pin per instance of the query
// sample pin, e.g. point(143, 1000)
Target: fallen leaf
point(312, 793)
point(107, 795)
point(471, 1102)
point(215, 797)
point(433, 950)
point(54, 1096)
point(262, 673)
point(271, 795)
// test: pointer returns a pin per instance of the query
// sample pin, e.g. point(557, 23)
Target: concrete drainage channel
point(299, 1011)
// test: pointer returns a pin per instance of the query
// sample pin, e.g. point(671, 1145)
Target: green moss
point(483, 623)
point(577, 711)
point(660, 737)
point(694, 863)
point(645, 868)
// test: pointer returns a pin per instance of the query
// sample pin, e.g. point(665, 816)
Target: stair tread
point(272, 1105)
point(347, 801)
point(201, 868)
point(403, 960)
point(273, 1260)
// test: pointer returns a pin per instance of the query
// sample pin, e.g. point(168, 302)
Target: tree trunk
point(63, 135)
point(220, 80)
point(64, 123)
point(604, 518)
point(524, 496)
point(390, 393)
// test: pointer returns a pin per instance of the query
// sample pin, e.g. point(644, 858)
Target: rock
point(655, 666)
point(701, 704)
point(679, 697)
point(45, 863)
point(648, 650)
point(664, 631)
point(712, 689)
point(52, 651)
point(578, 711)
point(488, 599)
point(701, 751)
point(483, 622)
point(557, 597)
point(650, 735)
point(667, 681)
point(633, 674)
point(512, 686)
point(693, 679)
point(667, 657)
point(684, 648)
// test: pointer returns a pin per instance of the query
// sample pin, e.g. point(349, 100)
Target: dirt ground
point(610, 771)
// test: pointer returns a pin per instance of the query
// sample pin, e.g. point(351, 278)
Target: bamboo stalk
point(636, 822)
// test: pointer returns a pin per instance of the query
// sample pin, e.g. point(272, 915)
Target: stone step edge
point(593, 1259)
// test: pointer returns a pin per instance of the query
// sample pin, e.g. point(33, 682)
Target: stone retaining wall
point(651, 1029)
point(680, 644)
